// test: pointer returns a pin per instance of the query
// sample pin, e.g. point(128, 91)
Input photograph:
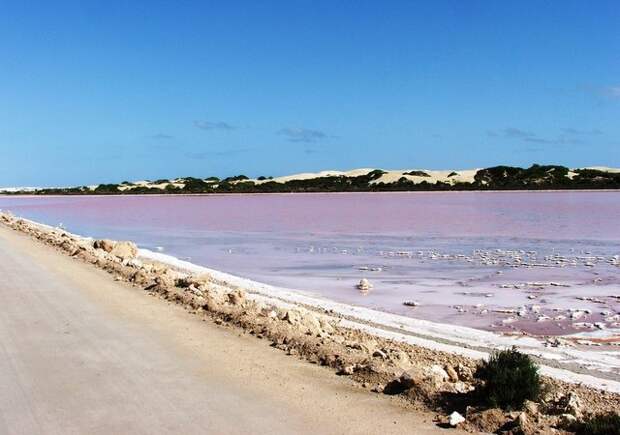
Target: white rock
point(438, 373)
point(364, 284)
point(576, 315)
point(574, 405)
point(380, 354)
point(455, 419)
point(125, 250)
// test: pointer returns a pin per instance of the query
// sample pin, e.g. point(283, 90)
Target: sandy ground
point(80, 353)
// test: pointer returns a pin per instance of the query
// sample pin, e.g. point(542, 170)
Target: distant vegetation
point(417, 173)
point(536, 177)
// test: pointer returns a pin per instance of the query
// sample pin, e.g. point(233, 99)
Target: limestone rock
point(399, 385)
point(311, 323)
point(291, 316)
point(326, 326)
point(532, 408)
point(524, 423)
point(140, 277)
point(165, 279)
point(401, 360)
point(457, 387)
point(464, 372)
point(124, 250)
point(347, 370)
point(379, 354)
point(104, 244)
point(236, 297)
point(574, 405)
point(454, 377)
point(437, 375)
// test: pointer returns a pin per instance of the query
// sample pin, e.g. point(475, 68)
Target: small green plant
point(510, 378)
point(601, 424)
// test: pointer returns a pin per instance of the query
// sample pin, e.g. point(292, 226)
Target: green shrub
point(194, 185)
point(235, 178)
point(375, 174)
point(602, 424)
point(510, 378)
point(417, 173)
point(107, 188)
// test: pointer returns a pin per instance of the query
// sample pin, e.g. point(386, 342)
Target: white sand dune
point(312, 175)
point(447, 176)
point(451, 176)
point(604, 169)
point(390, 176)
point(17, 189)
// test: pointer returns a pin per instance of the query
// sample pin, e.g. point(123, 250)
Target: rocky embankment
point(430, 380)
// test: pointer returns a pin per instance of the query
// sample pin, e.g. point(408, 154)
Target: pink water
point(461, 255)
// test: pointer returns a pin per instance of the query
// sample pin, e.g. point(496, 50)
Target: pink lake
point(461, 255)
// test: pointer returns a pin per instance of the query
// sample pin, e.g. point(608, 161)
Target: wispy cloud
point(560, 140)
point(304, 135)
point(204, 155)
point(568, 135)
point(210, 125)
point(612, 91)
point(517, 133)
point(161, 136)
point(576, 132)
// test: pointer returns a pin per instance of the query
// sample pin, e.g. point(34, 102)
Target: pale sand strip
point(80, 353)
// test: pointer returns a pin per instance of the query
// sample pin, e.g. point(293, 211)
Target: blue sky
point(95, 91)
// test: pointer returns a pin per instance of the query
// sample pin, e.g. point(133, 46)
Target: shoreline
point(369, 192)
point(461, 340)
point(373, 357)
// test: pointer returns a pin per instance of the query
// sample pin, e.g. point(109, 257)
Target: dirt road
point(82, 354)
